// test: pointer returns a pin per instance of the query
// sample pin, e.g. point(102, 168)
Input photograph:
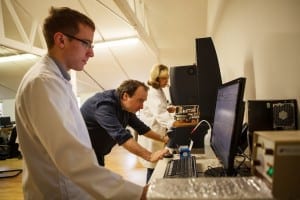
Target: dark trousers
point(149, 174)
point(100, 159)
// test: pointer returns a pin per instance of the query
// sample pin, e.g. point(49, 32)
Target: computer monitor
point(5, 121)
point(228, 120)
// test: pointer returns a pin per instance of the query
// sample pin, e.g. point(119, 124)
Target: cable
point(243, 171)
point(207, 148)
point(194, 129)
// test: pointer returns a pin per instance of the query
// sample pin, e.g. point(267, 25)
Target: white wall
point(260, 39)
point(8, 108)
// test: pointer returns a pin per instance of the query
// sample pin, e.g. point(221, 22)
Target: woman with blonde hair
point(156, 113)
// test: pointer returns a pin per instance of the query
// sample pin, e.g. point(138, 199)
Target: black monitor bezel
point(228, 162)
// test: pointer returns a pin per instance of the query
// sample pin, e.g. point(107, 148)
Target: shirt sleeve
point(137, 124)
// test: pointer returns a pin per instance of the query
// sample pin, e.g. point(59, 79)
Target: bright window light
point(18, 57)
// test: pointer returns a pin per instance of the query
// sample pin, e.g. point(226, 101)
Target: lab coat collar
point(65, 74)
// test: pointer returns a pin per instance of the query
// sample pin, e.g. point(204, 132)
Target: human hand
point(157, 155)
point(171, 109)
point(165, 139)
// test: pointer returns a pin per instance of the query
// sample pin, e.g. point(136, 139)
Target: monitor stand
point(215, 172)
point(220, 172)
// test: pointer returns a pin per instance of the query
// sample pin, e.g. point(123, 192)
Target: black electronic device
point(243, 142)
point(272, 115)
point(198, 84)
point(168, 155)
point(228, 120)
point(208, 76)
point(263, 115)
point(181, 136)
point(5, 121)
point(184, 85)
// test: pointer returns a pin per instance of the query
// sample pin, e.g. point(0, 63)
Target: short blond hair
point(157, 71)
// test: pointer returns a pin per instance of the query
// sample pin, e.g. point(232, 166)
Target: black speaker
point(209, 77)
point(184, 85)
point(272, 114)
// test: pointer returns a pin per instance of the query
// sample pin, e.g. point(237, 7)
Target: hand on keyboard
point(157, 155)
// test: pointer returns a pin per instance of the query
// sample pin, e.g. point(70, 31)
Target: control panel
point(276, 158)
point(187, 113)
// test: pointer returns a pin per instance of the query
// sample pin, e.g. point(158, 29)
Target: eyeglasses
point(86, 44)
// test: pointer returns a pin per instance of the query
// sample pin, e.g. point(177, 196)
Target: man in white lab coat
point(59, 161)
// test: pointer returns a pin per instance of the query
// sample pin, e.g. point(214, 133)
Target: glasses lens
point(85, 43)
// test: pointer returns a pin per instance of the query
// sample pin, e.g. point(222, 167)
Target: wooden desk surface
point(184, 124)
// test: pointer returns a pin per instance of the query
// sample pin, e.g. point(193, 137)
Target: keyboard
point(181, 168)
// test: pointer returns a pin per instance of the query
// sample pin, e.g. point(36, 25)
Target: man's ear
point(124, 96)
point(61, 44)
point(59, 40)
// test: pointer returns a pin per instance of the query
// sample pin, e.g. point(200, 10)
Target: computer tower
point(197, 85)
point(272, 114)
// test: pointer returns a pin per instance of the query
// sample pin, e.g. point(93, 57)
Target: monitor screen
point(227, 125)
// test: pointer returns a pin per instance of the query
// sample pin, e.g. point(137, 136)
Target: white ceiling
point(166, 29)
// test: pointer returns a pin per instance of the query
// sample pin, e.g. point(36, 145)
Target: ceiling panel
point(171, 27)
point(110, 22)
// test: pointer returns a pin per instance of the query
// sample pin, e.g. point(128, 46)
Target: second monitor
point(227, 126)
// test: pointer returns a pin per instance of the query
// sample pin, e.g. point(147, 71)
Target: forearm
point(132, 146)
point(135, 148)
point(151, 134)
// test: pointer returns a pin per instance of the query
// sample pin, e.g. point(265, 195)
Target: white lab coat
point(156, 116)
point(59, 162)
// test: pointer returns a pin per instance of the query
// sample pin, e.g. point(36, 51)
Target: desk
point(204, 187)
